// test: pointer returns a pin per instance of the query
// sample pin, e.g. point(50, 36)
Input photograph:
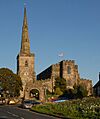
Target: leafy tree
point(69, 94)
point(80, 91)
point(58, 91)
point(60, 85)
point(10, 83)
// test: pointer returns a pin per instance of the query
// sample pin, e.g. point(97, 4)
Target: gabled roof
point(97, 84)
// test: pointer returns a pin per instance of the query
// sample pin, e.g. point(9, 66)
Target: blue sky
point(55, 26)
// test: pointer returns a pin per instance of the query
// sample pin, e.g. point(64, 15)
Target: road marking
point(3, 117)
point(14, 115)
point(22, 117)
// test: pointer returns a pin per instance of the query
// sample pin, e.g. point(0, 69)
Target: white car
point(27, 104)
point(12, 102)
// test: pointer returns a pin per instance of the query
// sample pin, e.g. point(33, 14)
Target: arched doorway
point(34, 93)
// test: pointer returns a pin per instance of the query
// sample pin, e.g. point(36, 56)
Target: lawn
point(87, 108)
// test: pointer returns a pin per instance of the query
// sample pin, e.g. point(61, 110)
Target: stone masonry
point(45, 80)
point(25, 59)
point(68, 70)
point(65, 69)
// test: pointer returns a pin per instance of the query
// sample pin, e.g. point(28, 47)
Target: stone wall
point(68, 70)
point(61, 70)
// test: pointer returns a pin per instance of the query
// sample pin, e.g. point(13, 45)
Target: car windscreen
point(27, 101)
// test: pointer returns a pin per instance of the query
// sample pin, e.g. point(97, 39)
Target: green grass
point(87, 108)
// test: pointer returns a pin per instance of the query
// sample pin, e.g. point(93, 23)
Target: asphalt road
point(14, 112)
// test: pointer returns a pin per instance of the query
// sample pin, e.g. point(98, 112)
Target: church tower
point(25, 59)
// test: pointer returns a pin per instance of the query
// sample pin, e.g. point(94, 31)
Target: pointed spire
point(25, 18)
point(25, 43)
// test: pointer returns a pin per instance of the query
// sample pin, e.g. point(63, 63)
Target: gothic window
point(68, 70)
point(26, 64)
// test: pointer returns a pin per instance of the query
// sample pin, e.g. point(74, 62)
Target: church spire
point(25, 43)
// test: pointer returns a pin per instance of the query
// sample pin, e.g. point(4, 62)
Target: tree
point(10, 83)
point(60, 85)
point(80, 91)
point(58, 91)
point(69, 94)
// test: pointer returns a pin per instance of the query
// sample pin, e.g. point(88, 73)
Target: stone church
point(45, 80)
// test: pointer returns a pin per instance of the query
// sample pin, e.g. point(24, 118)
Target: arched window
point(68, 70)
point(26, 63)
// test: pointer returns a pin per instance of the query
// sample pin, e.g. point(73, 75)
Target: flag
point(61, 54)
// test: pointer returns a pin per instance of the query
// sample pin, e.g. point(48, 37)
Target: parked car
point(27, 104)
point(59, 100)
point(2, 102)
point(12, 102)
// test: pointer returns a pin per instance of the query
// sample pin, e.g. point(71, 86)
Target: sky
point(71, 27)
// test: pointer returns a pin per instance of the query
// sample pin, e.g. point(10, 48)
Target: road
point(14, 112)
